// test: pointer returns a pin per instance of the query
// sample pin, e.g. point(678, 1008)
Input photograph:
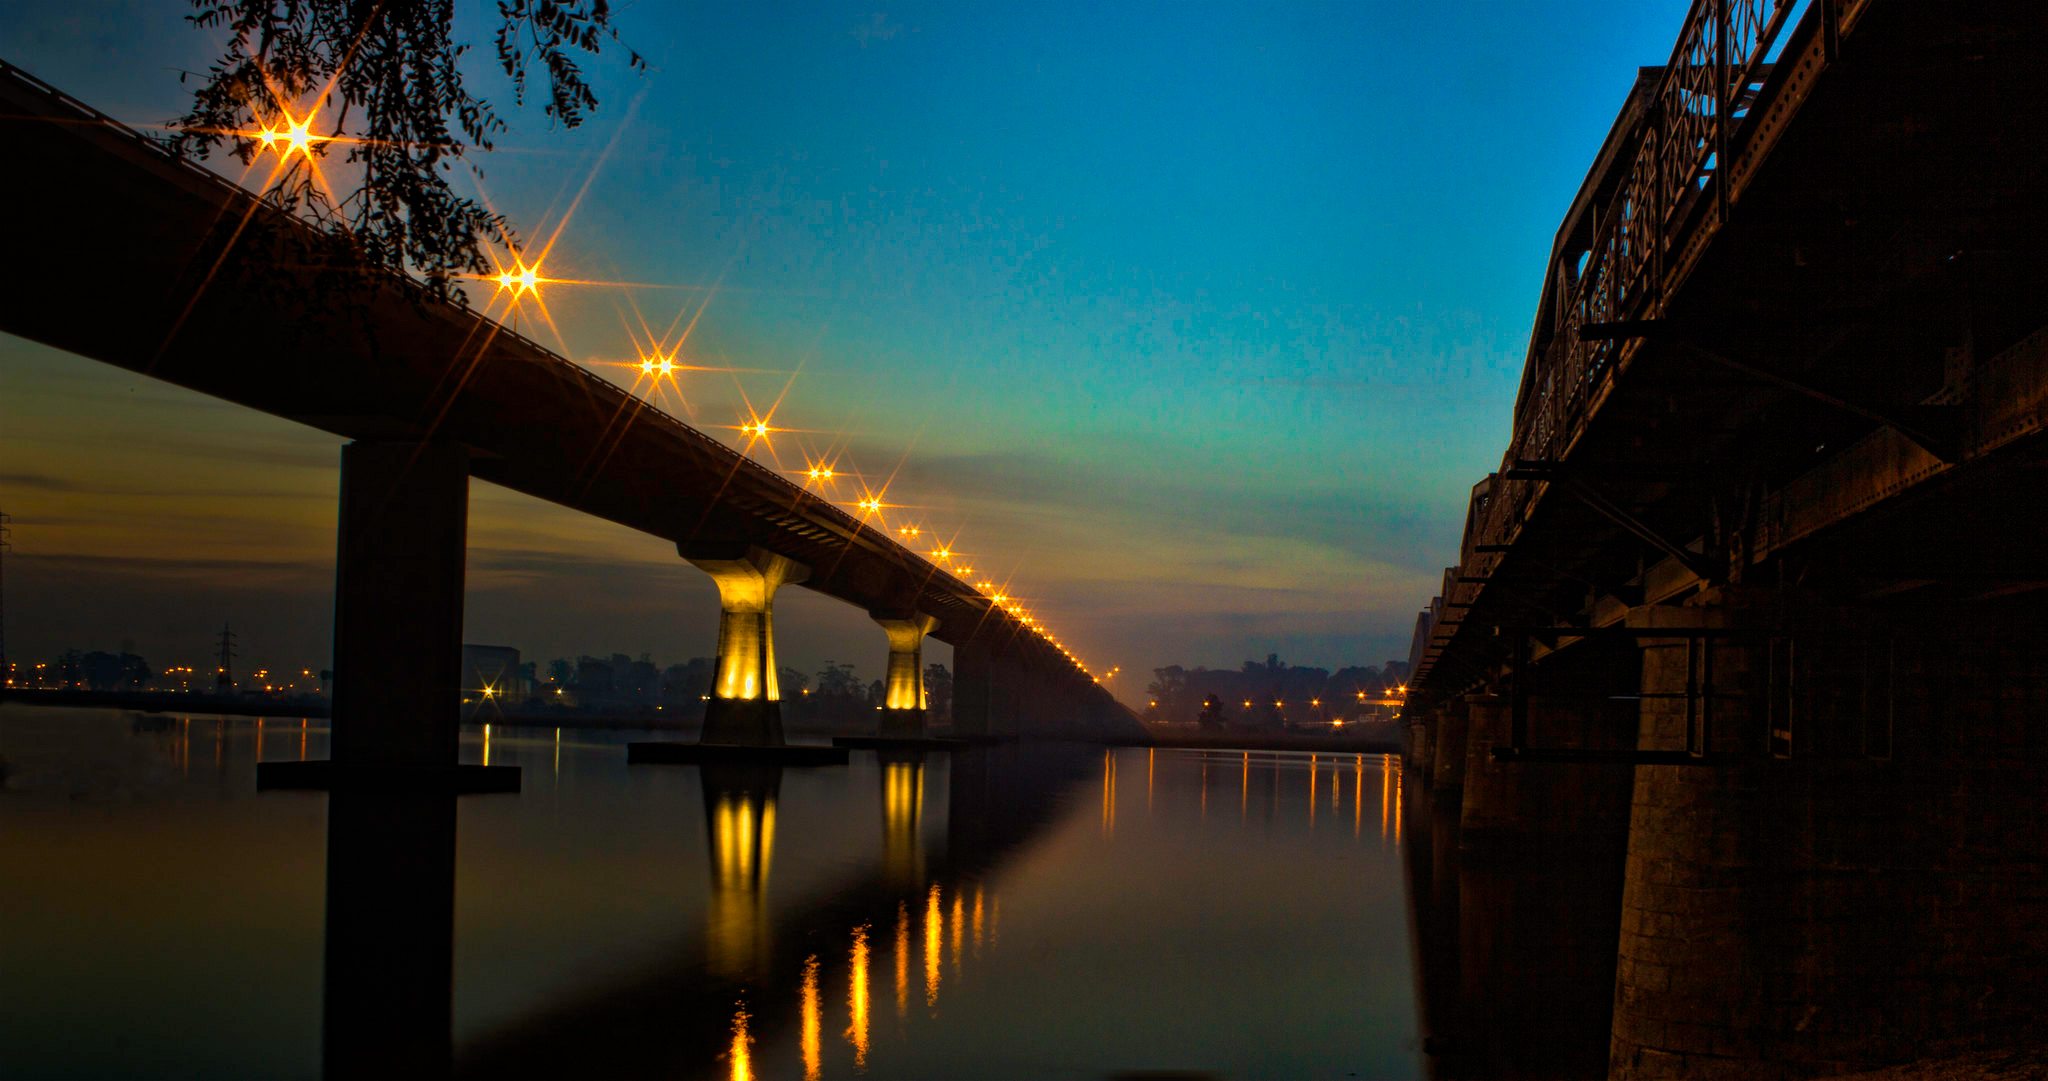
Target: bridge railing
point(1669, 197)
point(1679, 145)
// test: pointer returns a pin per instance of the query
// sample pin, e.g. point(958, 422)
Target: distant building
point(495, 672)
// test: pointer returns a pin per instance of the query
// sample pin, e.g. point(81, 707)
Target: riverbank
point(1335, 742)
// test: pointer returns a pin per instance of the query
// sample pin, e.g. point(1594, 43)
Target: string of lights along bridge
point(518, 282)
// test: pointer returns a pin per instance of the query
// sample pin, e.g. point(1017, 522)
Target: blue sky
point(1199, 320)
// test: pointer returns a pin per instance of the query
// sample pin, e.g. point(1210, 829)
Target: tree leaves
point(389, 69)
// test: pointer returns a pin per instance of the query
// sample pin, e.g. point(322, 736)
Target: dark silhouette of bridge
point(1748, 621)
point(138, 259)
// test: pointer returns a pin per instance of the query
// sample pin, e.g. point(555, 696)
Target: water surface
point(1024, 911)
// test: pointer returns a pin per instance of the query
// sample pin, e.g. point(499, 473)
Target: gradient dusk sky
point(1195, 321)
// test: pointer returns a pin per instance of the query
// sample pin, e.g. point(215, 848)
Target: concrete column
point(746, 703)
point(971, 690)
point(904, 702)
point(1447, 773)
point(1486, 800)
point(1421, 736)
point(1876, 891)
point(1008, 694)
point(398, 605)
point(1581, 806)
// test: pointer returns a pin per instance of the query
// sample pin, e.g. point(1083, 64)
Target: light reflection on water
point(597, 926)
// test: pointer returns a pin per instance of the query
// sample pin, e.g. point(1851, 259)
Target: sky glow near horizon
point(1196, 322)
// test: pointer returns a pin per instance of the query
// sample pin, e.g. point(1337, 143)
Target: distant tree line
point(1271, 693)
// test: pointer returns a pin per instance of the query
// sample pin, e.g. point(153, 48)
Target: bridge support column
point(1415, 750)
point(397, 625)
point(1447, 773)
point(1865, 883)
point(746, 703)
point(903, 704)
point(1540, 884)
point(971, 678)
point(398, 604)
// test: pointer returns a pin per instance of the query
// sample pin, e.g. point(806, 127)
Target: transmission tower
point(224, 676)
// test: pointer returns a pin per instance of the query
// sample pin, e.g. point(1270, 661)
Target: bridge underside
point(141, 261)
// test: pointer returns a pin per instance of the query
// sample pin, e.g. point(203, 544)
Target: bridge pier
point(398, 596)
point(1447, 773)
point(743, 720)
point(971, 678)
point(1415, 746)
point(903, 704)
point(988, 690)
point(746, 701)
point(1883, 886)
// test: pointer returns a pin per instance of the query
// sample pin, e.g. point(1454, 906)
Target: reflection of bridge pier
point(893, 954)
point(903, 774)
point(739, 822)
point(386, 1006)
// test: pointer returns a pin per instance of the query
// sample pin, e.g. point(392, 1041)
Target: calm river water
point(1014, 911)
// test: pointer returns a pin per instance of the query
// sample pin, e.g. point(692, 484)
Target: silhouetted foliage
point(388, 72)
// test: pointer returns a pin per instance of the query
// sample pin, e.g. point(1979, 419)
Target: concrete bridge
point(131, 257)
point(1748, 627)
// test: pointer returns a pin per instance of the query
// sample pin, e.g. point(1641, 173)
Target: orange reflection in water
point(1386, 793)
point(1108, 793)
point(742, 848)
point(931, 946)
point(1244, 787)
point(1358, 797)
point(1397, 801)
point(959, 921)
point(813, 1022)
point(857, 999)
point(977, 920)
point(902, 959)
point(1311, 792)
point(741, 1051)
point(902, 815)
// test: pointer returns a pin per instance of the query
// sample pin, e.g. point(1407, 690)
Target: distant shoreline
point(312, 707)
